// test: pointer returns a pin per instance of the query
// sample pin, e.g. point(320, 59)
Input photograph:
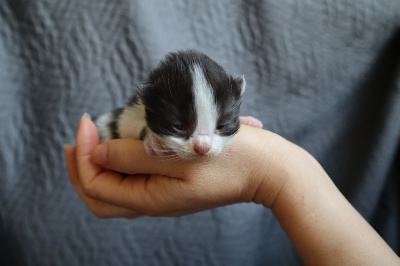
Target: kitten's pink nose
point(201, 150)
point(202, 144)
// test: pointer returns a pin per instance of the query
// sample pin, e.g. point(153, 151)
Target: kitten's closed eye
point(179, 127)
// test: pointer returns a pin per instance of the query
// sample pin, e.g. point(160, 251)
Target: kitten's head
point(192, 104)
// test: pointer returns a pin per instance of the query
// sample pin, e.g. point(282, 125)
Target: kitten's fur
point(188, 106)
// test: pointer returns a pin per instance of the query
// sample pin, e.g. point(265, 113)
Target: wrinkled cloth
point(323, 74)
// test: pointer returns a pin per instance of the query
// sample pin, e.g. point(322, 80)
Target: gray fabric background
point(323, 74)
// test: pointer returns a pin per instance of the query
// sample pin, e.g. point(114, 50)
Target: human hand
point(162, 187)
point(258, 166)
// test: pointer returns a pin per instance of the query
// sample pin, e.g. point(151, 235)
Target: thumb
point(86, 139)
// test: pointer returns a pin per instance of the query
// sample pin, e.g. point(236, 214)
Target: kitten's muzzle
point(202, 144)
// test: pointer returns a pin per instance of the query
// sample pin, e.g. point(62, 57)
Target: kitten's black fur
point(169, 98)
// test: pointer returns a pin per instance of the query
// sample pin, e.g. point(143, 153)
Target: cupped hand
point(258, 166)
point(118, 178)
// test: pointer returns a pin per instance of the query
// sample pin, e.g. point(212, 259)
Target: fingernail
point(99, 154)
point(86, 116)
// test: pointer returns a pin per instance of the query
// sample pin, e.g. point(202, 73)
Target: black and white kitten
point(188, 106)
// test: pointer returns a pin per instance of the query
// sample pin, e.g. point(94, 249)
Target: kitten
point(188, 106)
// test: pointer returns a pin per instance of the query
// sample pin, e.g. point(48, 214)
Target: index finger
point(129, 156)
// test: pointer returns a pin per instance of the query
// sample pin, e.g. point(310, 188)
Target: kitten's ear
point(241, 83)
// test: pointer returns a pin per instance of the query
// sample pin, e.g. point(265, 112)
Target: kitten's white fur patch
point(206, 108)
point(132, 121)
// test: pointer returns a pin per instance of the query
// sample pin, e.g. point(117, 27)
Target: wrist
point(281, 169)
point(281, 165)
point(270, 163)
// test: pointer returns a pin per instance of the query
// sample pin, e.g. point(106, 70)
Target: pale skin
point(259, 166)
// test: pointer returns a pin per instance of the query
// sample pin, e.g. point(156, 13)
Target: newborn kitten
point(188, 106)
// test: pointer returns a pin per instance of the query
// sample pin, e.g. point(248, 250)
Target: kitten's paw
point(154, 146)
point(250, 121)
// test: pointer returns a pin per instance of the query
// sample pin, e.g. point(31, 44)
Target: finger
point(69, 154)
point(100, 209)
point(107, 186)
point(129, 156)
point(86, 139)
point(139, 193)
